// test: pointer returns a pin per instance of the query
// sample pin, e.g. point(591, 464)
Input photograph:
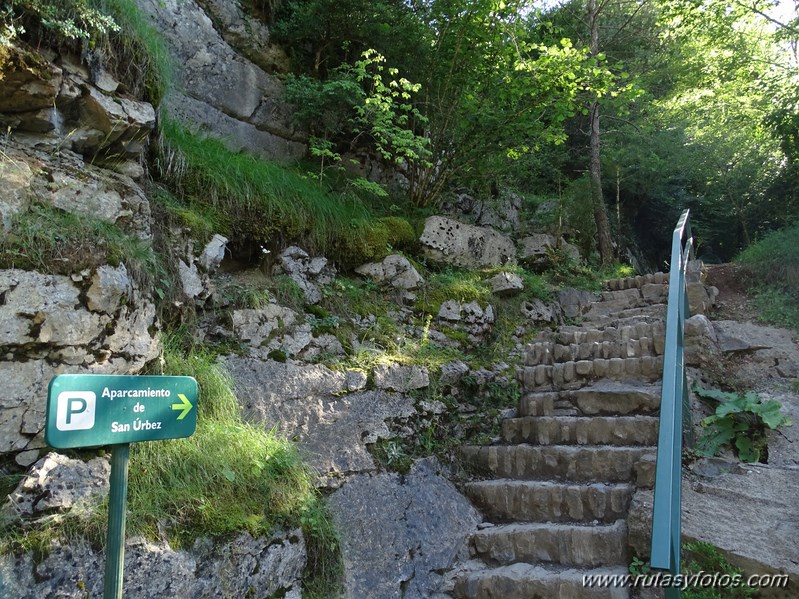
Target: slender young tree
point(604, 242)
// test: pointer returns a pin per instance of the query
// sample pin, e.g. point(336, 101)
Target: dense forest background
point(621, 112)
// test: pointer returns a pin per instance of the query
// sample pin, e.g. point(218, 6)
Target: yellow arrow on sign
point(185, 405)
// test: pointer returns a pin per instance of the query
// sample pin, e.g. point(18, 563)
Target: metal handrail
point(665, 553)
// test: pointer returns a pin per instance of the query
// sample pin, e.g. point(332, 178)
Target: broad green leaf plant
point(740, 420)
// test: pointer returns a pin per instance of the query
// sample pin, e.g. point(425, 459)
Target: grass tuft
point(262, 200)
point(137, 52)
point(52, 241)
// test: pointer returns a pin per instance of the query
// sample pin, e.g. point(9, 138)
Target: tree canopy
point(696, 101)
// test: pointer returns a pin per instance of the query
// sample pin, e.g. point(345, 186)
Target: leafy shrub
point(775, 258)
point(740, 420)
point(66, 19)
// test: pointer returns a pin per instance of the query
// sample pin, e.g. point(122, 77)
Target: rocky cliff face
point(217, 88)
point(83, 311)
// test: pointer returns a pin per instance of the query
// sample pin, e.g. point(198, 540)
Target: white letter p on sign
point(75, 410)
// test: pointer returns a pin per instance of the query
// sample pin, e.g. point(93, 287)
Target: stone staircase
point(558, 486)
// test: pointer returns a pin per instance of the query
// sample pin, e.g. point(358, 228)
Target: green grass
point(702, 557)
point(772, 266)
point(52, 241)
point(778, 307)
point(775, 258)
point(463, 286)
point(262, 200)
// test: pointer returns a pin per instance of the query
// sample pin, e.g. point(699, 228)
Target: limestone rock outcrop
point(452, 242)
point(391, 545)
point(208, 69)
point(51, 324)
point(63, 99)
point(311, 403)
point(64, 181)
point(395, 270)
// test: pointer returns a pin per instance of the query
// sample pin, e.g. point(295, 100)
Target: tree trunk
point(595, 166)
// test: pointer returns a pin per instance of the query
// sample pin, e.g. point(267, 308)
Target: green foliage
point(202, 219)
point(700, 557)
point(777, 306)
point(740, 419)
point(772, 268)
point(67, 19)
point(260, 200)
point(705, 557)
point(320, 35)
point(49, 240)
point(774, 258)
point(287, 292)
point(460, 285)
point(639, 567)
point(366, 103)
point(373, 240)
point(387, 114)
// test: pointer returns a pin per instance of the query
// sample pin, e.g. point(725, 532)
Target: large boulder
point(535, 249)
point(770, 352)
point(399, 534)
point(501, 213)
point(747, 513)
point(395, 270)
point(452, 242)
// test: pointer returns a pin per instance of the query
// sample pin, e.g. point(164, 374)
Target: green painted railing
point(666, 511)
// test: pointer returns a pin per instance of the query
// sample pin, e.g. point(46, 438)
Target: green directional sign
point(84, 410)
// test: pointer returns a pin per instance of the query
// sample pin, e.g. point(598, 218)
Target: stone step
point(576, 374)
point(548, 352)
point(565, 544)
point(527, 581)
point(506, 500)
point(628, 316)
point(566, 430)
point(603, 398)
point(538, 404)
point(648, 293)
point(605, 312)
point(567, 335)
point(577, 463)
point(639, 281)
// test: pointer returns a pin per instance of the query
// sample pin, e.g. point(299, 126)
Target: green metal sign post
point(87, 410)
